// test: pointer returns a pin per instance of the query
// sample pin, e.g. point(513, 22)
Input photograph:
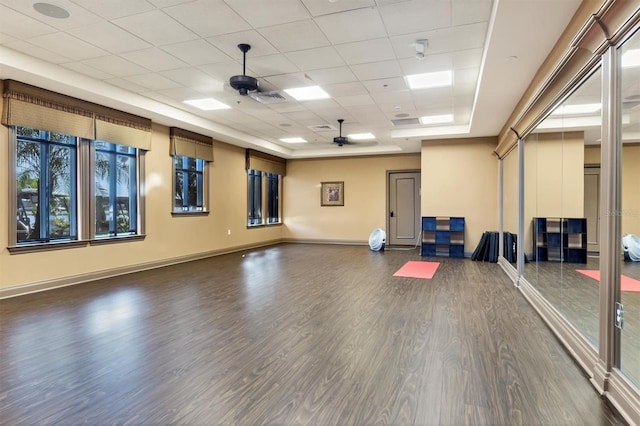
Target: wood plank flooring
point(290, 334)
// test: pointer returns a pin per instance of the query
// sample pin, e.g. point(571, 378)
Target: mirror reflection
point(562, 159)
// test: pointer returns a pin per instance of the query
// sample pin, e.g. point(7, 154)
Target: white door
point(404, 208)
point(592, 207)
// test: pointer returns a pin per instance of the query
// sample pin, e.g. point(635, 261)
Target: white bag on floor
point(631, 246)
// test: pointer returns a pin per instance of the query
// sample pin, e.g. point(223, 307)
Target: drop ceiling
point(149, 56)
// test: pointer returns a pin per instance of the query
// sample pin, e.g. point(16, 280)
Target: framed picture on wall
point(332, 194)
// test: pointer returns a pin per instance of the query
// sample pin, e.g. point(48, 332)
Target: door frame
point(388, 198)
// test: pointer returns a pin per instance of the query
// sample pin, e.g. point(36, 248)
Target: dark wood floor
point(292, 334)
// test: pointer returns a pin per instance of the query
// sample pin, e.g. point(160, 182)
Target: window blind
point(257, 160)
point(31, 106)
point(190, 144)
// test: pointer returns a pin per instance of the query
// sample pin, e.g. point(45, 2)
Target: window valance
point(190, 144)
point(31, 106)
point(257, 160)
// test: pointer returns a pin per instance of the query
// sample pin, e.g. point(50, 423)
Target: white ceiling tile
point(156, 28)
point(207, 17)
point(116, 66)
point(289, 81)
point(437, 41)
point(228, 43)
point(468, 12)
point(67, 45)
point(167, 3)
point(37, 52)
point(78, 16)
point(272, 65)
point(297, 35)
point(396, 98)
point(109, 37)
point(397, 107)
point(287, 107)
point(361, 52)
point(152, 81)
point(194, 78)
point(274, 13)
point(377, 70)
point(126, 85)
point(318, 8)
point(303, 118)
point(82, 68)
point(313, 59)
point(355, 100)
point(21, 26)
point(386, 84)
point(332, 75)
point(440, 97)
point(351, 26)
point(154, 59)
point(471, 58)
point(469, 36)
point(181, 94)
point(225, 70)
point(415, 16)
point(196, 52)
point(116, 8)
point(430, 63)
point(465, 80)
point(345, 89)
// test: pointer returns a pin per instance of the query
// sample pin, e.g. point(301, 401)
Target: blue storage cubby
point(560, 239)
point(442, 236)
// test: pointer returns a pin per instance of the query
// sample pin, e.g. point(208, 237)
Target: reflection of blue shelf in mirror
point(442, 236)
point(560, 239)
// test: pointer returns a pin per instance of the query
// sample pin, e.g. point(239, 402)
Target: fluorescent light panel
point(293, 140)
point(308, 93)
point(576, 109)
point(430, 79)
point(207, 104)
point(361, 136)
point(437, 119)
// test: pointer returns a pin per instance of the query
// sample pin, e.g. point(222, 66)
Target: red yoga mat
point(417, 269)
point(626, 283)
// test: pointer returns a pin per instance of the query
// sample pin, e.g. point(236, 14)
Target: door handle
point(391, 215)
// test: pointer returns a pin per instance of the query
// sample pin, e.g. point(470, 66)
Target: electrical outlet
point(619, 320)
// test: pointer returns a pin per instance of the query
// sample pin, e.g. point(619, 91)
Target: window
point(189, 184)
point(273, 198)
point(257, 186)
point(255, 197)
point(46, 187)
point(115, 189)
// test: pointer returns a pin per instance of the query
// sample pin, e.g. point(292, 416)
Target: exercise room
point(218, 212)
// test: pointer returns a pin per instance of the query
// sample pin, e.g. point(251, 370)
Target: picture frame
point(332, 194)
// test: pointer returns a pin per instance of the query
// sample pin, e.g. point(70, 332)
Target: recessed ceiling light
point(437, 119)
point(308, 93)
point(631, 58)
point(207, 104)
point(361, 136)
point(430, 79)
point(293, 140)
point(576, 109)
point(51, 10)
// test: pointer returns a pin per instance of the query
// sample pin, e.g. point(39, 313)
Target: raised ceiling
point(148, 56)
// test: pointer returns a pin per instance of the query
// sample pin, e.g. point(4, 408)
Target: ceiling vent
point(322, 128)
point(405, 122)
point(268, 97)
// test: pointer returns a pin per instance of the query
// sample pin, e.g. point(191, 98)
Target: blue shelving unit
point(442, 236)
point(557, 239)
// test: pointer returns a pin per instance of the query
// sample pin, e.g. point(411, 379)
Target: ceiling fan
point(343, 140)
point(244, 83)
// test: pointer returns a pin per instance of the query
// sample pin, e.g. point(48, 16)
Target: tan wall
point(365, 194)
point(167, 237)
point(554, 178)
point(630, 189)
point(460, 178)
